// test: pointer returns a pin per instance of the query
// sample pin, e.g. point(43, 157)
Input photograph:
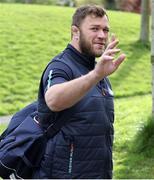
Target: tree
point(145, 16)
point(152, 56)
point(110, 4)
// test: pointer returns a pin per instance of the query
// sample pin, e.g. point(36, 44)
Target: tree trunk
point(144, 31)
point(152, 56)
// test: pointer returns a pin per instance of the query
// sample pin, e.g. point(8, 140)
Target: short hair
point(82, 12)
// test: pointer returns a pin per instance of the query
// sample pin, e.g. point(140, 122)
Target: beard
point(87, 48)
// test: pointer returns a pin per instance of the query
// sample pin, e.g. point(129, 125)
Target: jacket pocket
point(6, 141)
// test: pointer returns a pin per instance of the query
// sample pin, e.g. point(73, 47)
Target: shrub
point(82, 2)
point(144, 139)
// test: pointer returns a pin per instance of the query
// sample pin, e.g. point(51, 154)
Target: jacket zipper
point(71, 158)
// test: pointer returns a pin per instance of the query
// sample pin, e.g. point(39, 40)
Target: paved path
point(5, 119)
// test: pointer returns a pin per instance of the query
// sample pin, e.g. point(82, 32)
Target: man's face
point(93, 35)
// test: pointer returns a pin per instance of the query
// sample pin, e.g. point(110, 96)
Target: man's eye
point(95, 29)
point(106, 30)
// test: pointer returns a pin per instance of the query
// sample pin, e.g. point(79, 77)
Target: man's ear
point(75, 32)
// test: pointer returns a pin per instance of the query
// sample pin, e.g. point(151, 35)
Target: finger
point(112, 44)
point(106, 57)
point(113, 37)
point(111, 52)
point(119, 60)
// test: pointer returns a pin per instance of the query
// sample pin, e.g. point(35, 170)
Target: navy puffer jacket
point(83, 147)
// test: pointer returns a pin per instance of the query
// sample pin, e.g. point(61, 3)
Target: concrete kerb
point(5, 119)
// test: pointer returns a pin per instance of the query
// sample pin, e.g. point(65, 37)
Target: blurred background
point(123, 5)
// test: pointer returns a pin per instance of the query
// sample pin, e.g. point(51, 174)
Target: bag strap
point(45, 114)
point(54, 128)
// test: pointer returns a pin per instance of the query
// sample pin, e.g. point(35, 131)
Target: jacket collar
point(87, 61)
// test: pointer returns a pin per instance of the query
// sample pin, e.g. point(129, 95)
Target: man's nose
point(101, 34)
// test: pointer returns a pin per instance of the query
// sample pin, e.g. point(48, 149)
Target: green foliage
point(143, 142)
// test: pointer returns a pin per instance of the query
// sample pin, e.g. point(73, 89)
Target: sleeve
point(56, 72)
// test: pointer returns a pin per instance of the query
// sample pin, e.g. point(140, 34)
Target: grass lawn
point(30, 35)
point(131, 115)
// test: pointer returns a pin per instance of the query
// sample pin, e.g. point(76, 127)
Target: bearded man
point(76, 90)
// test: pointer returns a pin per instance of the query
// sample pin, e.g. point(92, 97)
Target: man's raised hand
point(108, 62)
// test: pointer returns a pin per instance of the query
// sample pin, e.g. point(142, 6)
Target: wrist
point(95, 76)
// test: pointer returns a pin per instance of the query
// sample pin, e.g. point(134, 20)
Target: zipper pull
point(103, 92)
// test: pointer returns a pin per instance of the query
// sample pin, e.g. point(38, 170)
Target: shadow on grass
point(133, 94)
point(135, 166)
point(144, 139)
point(138, 161)
point(136, 51)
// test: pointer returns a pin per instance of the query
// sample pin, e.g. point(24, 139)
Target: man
point(76, 90)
